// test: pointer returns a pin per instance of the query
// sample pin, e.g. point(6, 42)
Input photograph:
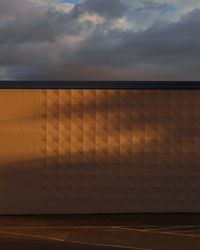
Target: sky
point(99, 39)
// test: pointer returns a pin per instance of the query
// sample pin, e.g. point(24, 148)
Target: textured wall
point(74, 151)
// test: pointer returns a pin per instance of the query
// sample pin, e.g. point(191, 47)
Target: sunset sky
point(99, 40)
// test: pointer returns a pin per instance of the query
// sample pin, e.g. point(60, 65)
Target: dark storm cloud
point(35, 24)
point(98, 39)
point(169, 47)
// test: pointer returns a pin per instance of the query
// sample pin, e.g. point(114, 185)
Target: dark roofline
point(100, 85)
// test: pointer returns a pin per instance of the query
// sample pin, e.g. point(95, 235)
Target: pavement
point(87, 232)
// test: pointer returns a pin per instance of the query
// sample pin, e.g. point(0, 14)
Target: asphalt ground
point(125, 231)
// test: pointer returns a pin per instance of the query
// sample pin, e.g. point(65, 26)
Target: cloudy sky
point(99, 39)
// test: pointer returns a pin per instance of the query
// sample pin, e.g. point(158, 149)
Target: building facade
point(99, 151)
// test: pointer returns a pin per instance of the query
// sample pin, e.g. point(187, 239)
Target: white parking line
point(180, 234)
point(32, 236)
point(157, 232)
point(109, 245)
point(73, 242)
point(172, 227)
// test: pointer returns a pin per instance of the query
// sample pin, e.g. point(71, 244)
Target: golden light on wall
point(75, 150)
point(87, 126)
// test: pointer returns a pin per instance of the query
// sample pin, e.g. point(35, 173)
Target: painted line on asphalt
point(109, 245)
point(73, 242)
point(32, 236)
point(172, 227)
point(157, 232)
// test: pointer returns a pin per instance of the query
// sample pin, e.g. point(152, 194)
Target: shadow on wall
point(107, 151)
point(76, 188)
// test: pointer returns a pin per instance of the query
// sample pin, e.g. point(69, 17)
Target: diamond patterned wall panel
point(99, 151)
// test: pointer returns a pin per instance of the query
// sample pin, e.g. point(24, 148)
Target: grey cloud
point(34, 43)
point(162, 47)
point(36, 26)
point(108, 9)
